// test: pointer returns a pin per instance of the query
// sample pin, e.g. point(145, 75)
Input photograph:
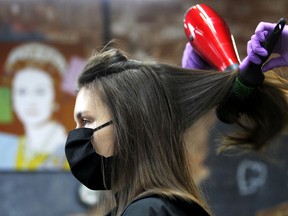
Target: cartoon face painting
point(36, 71)
point(33, 96)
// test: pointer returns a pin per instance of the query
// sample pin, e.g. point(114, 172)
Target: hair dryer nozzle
point(210, 36)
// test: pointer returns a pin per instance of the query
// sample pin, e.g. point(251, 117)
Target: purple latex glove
point(191, 59)
point(254, 48)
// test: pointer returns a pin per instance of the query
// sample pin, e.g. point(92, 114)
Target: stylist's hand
point(191, 59)
point(254, 48)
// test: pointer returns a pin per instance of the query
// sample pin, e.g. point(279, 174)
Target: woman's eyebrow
point(80, 114)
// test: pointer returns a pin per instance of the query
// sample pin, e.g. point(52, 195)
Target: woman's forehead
point(88, 102)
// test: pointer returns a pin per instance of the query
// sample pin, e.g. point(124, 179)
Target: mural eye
point(21, 91)
point(40, 91)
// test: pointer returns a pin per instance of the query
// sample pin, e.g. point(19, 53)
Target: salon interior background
point(146, 29)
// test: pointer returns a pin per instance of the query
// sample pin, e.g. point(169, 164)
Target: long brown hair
point(152, 105)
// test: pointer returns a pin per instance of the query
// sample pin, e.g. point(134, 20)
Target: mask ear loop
point(103, 125)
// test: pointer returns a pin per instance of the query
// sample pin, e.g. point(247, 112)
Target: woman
point(133, 120)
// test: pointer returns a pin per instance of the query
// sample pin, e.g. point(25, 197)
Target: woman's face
point(33, 96)
point(91, 112)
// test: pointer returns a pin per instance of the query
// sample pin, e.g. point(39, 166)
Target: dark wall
point(247, 183)
point(39, 193)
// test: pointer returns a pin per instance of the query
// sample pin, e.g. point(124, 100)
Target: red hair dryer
point(210, 36)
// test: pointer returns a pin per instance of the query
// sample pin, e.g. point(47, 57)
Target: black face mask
point(90, 168)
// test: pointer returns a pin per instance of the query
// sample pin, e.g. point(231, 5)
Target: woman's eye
point(85, 122)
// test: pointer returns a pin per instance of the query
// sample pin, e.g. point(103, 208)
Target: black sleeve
point(152, 206)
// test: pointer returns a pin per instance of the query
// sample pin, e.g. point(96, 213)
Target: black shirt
point(155, 205)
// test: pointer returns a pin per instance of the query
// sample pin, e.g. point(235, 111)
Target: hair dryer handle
point(252, 75)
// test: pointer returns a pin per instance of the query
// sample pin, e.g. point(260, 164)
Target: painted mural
point(36, 108)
